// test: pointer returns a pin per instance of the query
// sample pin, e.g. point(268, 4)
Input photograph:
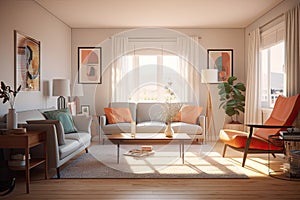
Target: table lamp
point(61, 88)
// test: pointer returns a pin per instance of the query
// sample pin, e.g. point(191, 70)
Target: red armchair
point(283, 115)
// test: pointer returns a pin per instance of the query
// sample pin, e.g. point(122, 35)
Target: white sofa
point(148, 119)
point(59, 152)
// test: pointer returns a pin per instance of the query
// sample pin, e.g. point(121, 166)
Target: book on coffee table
point(138, 153)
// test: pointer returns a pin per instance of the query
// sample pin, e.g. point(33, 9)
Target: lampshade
point(209, 76)
point(61, 87)
point(77, 90)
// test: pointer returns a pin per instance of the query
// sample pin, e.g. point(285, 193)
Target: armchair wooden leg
point(244, 158)
point(86, 150)
point(273, 154)
point(58, 173)
point(247, 146)
point(224, 150)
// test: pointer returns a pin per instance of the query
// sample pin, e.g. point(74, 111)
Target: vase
point(11, 119)
point(169, 130)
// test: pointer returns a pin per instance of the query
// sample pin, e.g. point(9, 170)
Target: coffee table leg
point(118, 153)
point(182, 152)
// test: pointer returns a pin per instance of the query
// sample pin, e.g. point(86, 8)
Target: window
point(154, 73)
point(272, 73)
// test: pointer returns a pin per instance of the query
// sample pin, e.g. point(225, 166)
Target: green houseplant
point(232, 98)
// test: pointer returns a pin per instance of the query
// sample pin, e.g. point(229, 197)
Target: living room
point(61, 32)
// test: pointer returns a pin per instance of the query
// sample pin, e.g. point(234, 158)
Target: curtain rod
point(272, 20)
point(269, 22)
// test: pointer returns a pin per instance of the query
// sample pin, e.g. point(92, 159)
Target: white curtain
point(119, 69)
point(189, 53)
point(252, 108)
point(292, 43)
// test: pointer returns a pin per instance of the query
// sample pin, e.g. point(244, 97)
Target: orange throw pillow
point(118, 115)
point(190, 114)
point(177, 117)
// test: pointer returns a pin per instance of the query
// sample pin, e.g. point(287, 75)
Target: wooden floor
point(259, 185)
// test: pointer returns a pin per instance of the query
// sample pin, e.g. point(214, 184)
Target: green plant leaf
point(221, 104)
point(236, 91)
point(230, 111)
point(222, 91)
point(231, 79)
point(241, 108)
point(240, 86)
point(3, 86)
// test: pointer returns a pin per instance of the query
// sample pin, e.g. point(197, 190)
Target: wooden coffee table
point(149, 138)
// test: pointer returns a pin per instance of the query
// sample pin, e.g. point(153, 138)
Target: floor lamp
point(209, 76)
point(61, 88)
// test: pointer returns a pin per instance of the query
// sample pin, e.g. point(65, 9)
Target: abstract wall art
point(89, 65)
point(221, 59)
point(27, 62)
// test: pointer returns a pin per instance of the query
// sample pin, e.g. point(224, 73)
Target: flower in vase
point(8, 94)
point(171, 108)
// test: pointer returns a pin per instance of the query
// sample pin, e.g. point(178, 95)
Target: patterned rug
point(200, 162)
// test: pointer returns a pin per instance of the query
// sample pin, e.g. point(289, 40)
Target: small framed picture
point(85, 109)
point(222, 60)
point(89, 65)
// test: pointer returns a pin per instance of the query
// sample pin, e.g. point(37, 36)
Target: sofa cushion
point(131, 106)
point(118, 115)
point(150, 127)
point(150, 112)
point(117, 128)
point(189, 114)
point(59, 128)
point(82, 137)
point(64, 116)
point(68, 148)
point(181, 127)
point(23, 116)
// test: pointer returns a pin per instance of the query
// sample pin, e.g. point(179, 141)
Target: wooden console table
point(27, 141)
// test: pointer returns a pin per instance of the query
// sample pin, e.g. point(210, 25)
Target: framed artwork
point(27, 62)
point(89, 65)
point(85, 109)
point(221, 59)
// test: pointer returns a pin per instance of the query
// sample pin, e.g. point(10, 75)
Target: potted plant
point(9, 95)
point(232, 98)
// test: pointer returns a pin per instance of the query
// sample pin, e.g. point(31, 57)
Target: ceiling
point(158, 13)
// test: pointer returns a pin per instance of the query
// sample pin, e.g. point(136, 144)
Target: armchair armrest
point(83, 123)
point(102, 120)
point(52, 142)
point(268, 126)
point(202, 123)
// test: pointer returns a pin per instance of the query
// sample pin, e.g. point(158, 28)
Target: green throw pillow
point(64, 116)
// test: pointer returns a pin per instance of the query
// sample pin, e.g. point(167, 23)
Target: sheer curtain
point(189, 61)
point(292, 43)
point(252, 107)
point(119, 69)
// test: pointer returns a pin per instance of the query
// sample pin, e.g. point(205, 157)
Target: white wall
point(55, 37)
point(97, 96)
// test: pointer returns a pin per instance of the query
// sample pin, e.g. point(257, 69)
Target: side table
point(290, 170)
point(27, 141)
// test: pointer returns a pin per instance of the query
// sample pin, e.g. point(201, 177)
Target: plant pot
point(11, 119)
point(169, 132)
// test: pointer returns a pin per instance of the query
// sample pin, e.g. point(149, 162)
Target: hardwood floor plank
point(258, 186)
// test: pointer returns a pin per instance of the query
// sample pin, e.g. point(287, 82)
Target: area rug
point(200, 162)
